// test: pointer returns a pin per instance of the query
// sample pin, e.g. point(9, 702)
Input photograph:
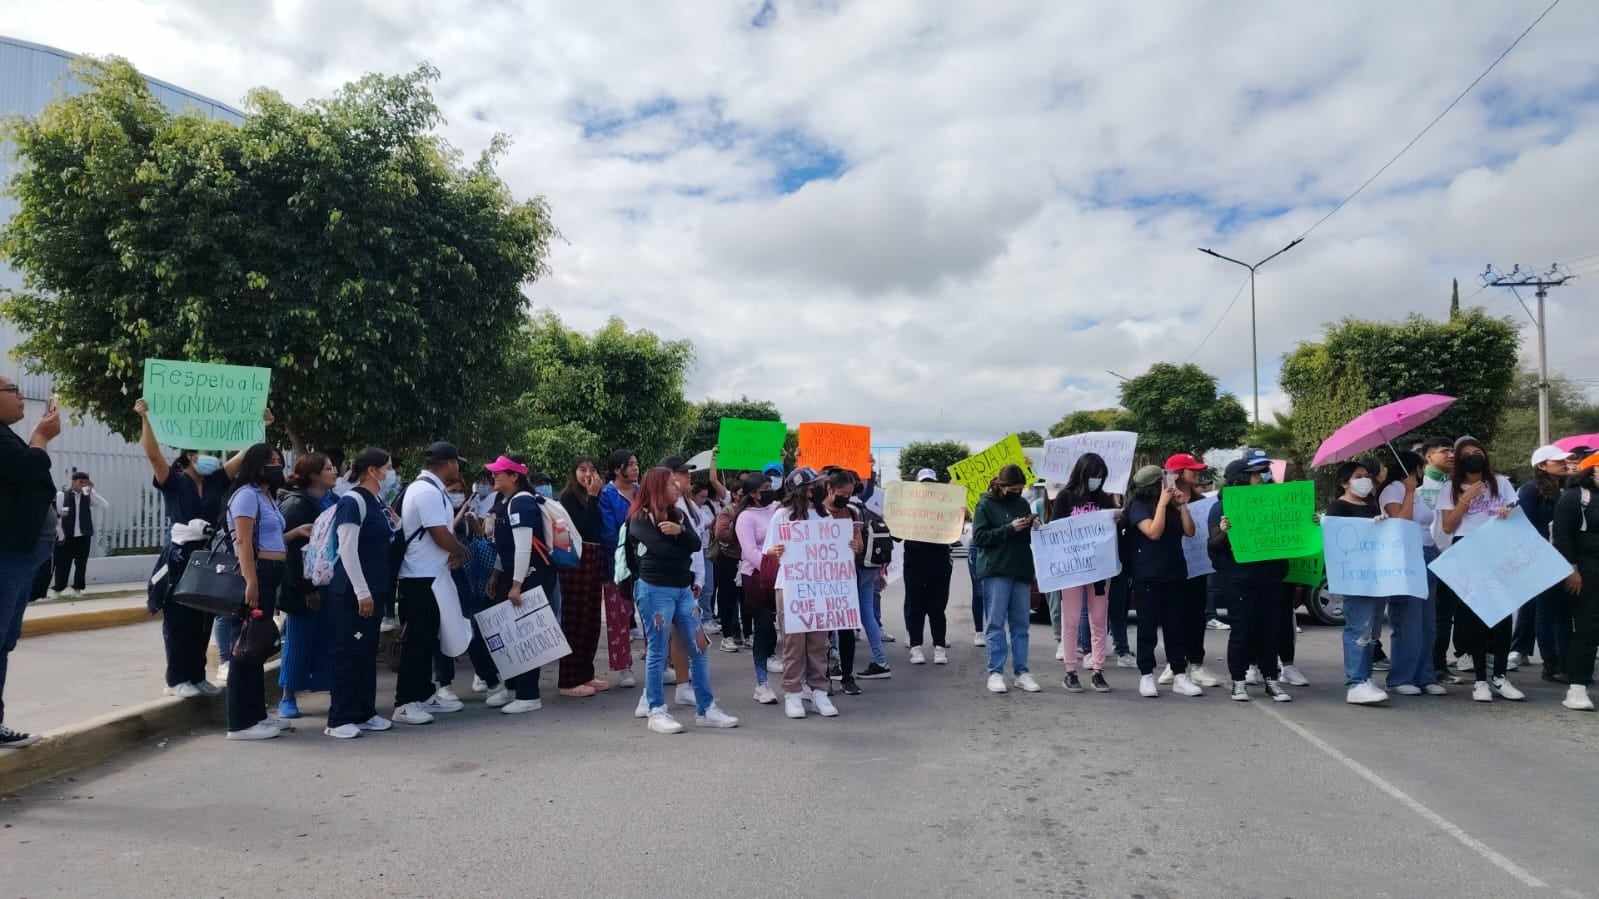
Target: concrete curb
point(84, 621)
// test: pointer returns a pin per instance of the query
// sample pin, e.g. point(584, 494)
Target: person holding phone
point(1002, 526)
point(1474, 495)
point(1182, 474)
point(27, 525)
point(1157, 521)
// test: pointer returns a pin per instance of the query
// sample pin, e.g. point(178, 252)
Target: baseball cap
point(1256, 456)
point(773, 468)
point(675, 463)
point(80, 475)
point(1239, 470)
point(1550, 453)
point(443, 452)
point(1146, 476)
point(505, 463)
point(799, 477)
point(1182, 462)
point(927, 474)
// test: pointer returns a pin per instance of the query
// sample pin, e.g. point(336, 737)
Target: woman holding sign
point(1084, 492)
point(1414, 625)
point(1158, 520)
point(1002, 526)
point(1474, 495)
point(804, 653)
point(1255, 586)
point(1362, 614)
point(518, 525)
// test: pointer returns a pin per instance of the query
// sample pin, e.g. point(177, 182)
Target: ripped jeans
point(1362, 626)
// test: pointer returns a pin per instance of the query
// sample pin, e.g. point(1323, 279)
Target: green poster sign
point(1272, 521)
point(1307, 570)
point(744, 445)
point(203, 405)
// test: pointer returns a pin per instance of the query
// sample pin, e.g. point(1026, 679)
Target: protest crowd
point(516, 570)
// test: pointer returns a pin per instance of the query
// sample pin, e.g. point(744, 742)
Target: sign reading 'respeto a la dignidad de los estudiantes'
point(204, 405)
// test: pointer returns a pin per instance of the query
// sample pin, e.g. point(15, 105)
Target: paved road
point(927, 785)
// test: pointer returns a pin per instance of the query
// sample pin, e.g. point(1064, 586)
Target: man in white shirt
point(430, 608)
point(77, 505)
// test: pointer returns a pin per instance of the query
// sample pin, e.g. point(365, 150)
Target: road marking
point(1439, 821)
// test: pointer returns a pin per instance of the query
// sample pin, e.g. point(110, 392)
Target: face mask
point(1360, 487)
point(274, 476)
point(485, 489)
point(390, 484)
point(1265, 477)
point(766, 497)
point(456, 499)
point(840, 502)
point(777, 484)
point(208, 465)
point(545, 490)
point(1473, 464)
point(1095, 483)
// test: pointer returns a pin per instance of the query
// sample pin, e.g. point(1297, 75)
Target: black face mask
point(274, 476)
point(840, 502)
point(1473, 464)
point(766, 497)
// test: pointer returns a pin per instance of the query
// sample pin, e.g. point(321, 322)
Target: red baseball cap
point(1183, 462)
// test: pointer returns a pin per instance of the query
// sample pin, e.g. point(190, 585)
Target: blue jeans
point(663, 609)
point(225, 631)
point(866, 588)
point(17, 570)
point(708, 592)
point(1362, 627)
point(977, 590)
point(1005, 602)
point(1554, 627)
point(1411, 652)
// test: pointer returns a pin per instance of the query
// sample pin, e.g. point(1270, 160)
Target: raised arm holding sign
point(1272, 521)
point(201, 405)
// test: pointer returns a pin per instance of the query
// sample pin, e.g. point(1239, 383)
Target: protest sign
point(202, 405)
point(1365, 557)
point(1196, 549)
point(818, 576)
point(928, 511)
point(974, 472)
point(744, 445)
point(1115, 447)
point(1306, 570)
point(1499, 566)
point(1078, 550)
point(1272, 521)
point(847, 446)
point(524, 637)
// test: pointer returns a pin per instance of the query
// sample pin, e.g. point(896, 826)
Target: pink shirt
point(751, 528)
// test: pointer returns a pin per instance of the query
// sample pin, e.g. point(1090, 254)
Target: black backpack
point(879, 542)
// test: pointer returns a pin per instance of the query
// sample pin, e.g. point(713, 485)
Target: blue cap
point(773, 468)
point(1256, 457)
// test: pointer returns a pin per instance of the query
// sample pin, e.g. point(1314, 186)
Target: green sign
point(743, 445)
point(1307, 570)
point(1272, 521)
point(202, 405)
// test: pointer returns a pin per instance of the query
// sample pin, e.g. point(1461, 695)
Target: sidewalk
point(106, 605)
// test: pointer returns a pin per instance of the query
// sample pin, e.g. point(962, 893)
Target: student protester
point(804, 654)
point(27, 527)
point(1576, 536)
point(581, 586)
point(927, 573)
point(1546, 617)
point(1183, 469)
point(258, 542)
point(663, 545)
point(757, 574)
point(1254, 586)
point(1439, 454)
point(710, 497)
point(76, 505)
point(973, 552)
point(845, 489)
point(354, 599)
point(1410, 671)
point(308, 634)
point(616, 497)
point(1474, 495)
point(1158, 520)
point(677, 655)
point(1085, 493)
point(726, 556)
point(426, 590)
point(1002, 526)
point(1362, 614)
point(471, 586)
point(523, 563)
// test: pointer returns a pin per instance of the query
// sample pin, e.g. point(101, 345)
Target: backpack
point(879, 550)
point(724, 534)
point(626, 561)
point(321, 553)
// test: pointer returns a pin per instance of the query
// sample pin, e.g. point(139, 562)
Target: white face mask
point(1360, 487)
point(456, 499)
point(1095, 483)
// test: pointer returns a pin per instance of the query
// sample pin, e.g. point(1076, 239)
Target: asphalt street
point(925, 785)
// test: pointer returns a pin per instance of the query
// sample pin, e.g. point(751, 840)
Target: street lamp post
point(1254, 345)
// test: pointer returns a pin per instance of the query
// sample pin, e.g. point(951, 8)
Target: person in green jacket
point(1002, 527)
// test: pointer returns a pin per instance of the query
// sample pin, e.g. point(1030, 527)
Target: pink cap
point(504, 463)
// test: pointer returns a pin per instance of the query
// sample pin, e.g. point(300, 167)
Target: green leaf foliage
point(1177, 408)
point(709, 414)
point(1085, 421)
point(938, 456)
point(1517, 433)
point(1030, 438)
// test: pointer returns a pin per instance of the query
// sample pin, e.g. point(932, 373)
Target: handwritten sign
point(1272, 521)
point(202, 405)
point(974, 472)
point(1306, 570)
point(523, 638)
point(818, 576)
point(1115, 447)
point(1499, 566)
point(744, 445)
point(1373, 558)
point(927, 511)
point(847, 446)
point(1078, 550)
point(1196, 549)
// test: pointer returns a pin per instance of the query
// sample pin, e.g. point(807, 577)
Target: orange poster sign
point(847, 446)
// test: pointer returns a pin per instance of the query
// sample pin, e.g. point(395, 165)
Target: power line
point(1423, 132)
point(1223, 318)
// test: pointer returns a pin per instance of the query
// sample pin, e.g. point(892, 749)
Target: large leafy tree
point(1030, 438)
point(1085, 421)
point(937, 455)
point(1517, 433)
point(1177, 408)
point(709, 414)
point(341, 243)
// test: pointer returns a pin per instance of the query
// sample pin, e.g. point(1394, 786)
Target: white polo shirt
point(425, 506)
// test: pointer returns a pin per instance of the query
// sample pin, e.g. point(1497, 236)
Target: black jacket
point(663, 561)
point(26, 493)
point(1221, 556)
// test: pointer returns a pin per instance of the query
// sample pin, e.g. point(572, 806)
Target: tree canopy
point(1030, 438)
point(938, 456)
point(709, 414)
point(340, 243)
point(1085, 421)
point(1517, 433)
point(1177, 408)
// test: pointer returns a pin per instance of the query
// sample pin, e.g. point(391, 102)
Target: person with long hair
point(804, 654)
point(663, 544)
point(581, 586)
point(728, 559)
point(616, 497)
point(258, 542)
point(1255, 589)
point(1474, 495)
point(1184, 470)
point(1002, 526)
point(1158, 520)
point(927, 573)
point(308, 636)
point(1357, 498)
point(363, 577)
point(757, 573)
point(1084, 493)
point(1410, 671)
point(1546, 617)
point(1575, 530)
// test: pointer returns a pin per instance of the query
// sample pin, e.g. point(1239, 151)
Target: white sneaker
point(1184, 685)
point(185, 691)
point(1462, 663)
point(441, 705)
point(1252, 676)
point(1408, 690)
point(1513, 661)
point(1146, 686)
point(412, 713)
point(445, 694)
point(479, 685)
point(1166, 677)
point(1060, 652)
point(1216, 624)
point(669, 676)
point(261, 731)
point(57, 594)
point(765, 695)
point(996, 683)
point(715, 717)
point(222, 672)
point(917, 658)
point(713, 627)
point(1577, 699)
point(627, 679)
point(1026, 683)
point(1126, 660)
point(824, 704)
point(774, 665)
point(979, 639)
point(1481, 693)
point(662, 722)
point(794, 705)
point(685, 695)
point(1275, 690)
point(498, 697)
point(1204, 678)
point(1507, 689)
point(1435, 690)
point(1293, 677)
point(729, 644)
point(343, 732)
point(388, 625)
point(207, 688)
point(376, 723)
point(1365, 693)
point(642, 710)
point(521, 706)
point(940, 656)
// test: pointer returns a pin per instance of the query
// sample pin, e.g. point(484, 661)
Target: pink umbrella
point(1575, 440)
point(1379, 426)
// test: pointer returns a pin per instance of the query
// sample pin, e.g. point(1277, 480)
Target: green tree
point(1177, 408)
point(1086, 421)
point(1276, 437)
point(341, 243)
point(1030, 438)
point(938, 456)
point(1517, 433)
point(709, 414)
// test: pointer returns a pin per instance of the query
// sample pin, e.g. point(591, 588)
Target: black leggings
point(926, 597)
point(1159, 603)
point(763, 634)
point(1196, 593)
point(1254, 609)
point(246, 691)
point(1481, 641)
point(730, 599)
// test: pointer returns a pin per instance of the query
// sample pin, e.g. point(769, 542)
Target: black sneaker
point(1071, 683)
point(851, 688)
point(1097, 681)
point(1240, 692)
point(835, 671)
point(875, 671)
point(14, 739)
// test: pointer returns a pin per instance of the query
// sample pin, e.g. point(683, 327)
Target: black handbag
point(259, 639)
point(211, 581)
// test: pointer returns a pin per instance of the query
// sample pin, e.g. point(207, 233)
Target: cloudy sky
point(950, 219)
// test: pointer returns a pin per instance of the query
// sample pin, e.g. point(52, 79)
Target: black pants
point(926, 597)
point(419, 615)
point(476, 651)
point(1192, 612)
point(1120, 598)
point(1474, 637)
point(1524, 635)
point(1159, 604)
point(1585, 638)
point(73, 551)
point(186, 633)
point(246, 691)
point(730, 599)
point(1254, 609)
point(1447, 611)
point(355, 659)
point(1289, 610)
point(846, 653)
point(763, 633)
point(526, 684)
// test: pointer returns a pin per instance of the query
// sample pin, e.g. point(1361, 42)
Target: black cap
point(442, 452)
point(80, 475)
point(675, 463)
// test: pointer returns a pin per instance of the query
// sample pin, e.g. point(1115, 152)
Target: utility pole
point(1554, 277)
point(1254, 345)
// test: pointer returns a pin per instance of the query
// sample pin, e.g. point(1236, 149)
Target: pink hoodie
point(751, 529)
